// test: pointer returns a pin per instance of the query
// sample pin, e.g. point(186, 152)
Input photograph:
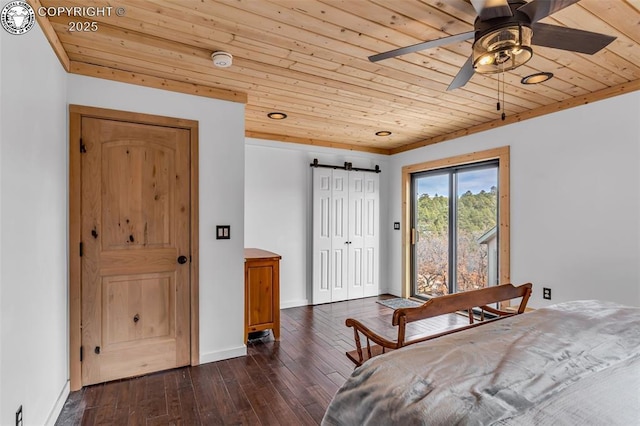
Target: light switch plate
point(396, 226)
point(223, 232)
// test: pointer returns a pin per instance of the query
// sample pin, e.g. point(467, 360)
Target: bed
point(573, 363)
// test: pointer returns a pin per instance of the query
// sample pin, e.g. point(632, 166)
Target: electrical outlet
point(19, 416)
point(546, 293)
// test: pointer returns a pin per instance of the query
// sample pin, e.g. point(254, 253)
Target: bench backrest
point(460, 302)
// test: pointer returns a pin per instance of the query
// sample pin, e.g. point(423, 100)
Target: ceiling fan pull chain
point(498, 103)
point(504, 114)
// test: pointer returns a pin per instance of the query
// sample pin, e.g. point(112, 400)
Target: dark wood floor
point(289, 382)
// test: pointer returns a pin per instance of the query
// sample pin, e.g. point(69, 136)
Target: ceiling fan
point(503, 34)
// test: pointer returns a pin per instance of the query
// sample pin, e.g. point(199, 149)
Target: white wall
point(278, 206)
point(575, 200)
point(221, 126)
point(33, 243)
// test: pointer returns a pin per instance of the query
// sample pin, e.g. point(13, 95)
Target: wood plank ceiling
point(308, 58)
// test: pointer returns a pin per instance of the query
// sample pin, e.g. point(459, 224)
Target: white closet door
point(371, 226)
point(345, 235)
point(356, 234)
point(339, 235)
point(321, 291)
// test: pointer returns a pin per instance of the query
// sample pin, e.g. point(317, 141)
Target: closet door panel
point(356, 234)
point(371, 235)
point(339, 235)
point(321, 292)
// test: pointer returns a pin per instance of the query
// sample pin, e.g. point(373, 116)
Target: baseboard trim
point(57, 408)
point(224, 354)
point(294, 303)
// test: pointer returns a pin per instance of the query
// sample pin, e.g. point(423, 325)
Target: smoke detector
point(222, 59)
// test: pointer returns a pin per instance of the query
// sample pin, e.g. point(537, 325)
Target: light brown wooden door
point(135, 227)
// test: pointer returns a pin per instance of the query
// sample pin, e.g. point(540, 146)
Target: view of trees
point(476, 216)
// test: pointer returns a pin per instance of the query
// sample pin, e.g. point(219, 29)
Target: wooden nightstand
point(261, 292)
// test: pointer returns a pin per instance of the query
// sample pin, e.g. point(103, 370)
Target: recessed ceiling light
point(277, 115)
point(536, 78)
point(383, 133)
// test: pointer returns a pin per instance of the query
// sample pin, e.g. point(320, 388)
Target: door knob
point(182, 260)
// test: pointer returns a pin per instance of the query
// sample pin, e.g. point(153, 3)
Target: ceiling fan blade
point(463, 76)
point(421, 46)
point(489, 9)
point(569, 38)
point(538, 9)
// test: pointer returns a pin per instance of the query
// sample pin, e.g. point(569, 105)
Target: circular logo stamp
point(17, 17)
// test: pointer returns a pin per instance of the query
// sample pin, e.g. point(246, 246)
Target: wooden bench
point(471, 301)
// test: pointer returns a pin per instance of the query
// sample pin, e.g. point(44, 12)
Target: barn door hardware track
point(347, 166)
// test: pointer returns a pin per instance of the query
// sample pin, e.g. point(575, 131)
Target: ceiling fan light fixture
point(502, 49)
point(539, 77)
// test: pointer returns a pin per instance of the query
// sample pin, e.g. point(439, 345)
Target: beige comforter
point(575, 363)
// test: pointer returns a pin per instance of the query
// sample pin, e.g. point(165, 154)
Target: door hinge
point(83, 147)
point(81, 247)
point(81, 353)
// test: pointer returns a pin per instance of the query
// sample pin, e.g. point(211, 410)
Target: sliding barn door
point(345, 235)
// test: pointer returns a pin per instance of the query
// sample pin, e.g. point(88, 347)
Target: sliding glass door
point(454, 229)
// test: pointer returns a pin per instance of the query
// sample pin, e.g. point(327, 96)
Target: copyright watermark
point(83, 12)
point(18, 17)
